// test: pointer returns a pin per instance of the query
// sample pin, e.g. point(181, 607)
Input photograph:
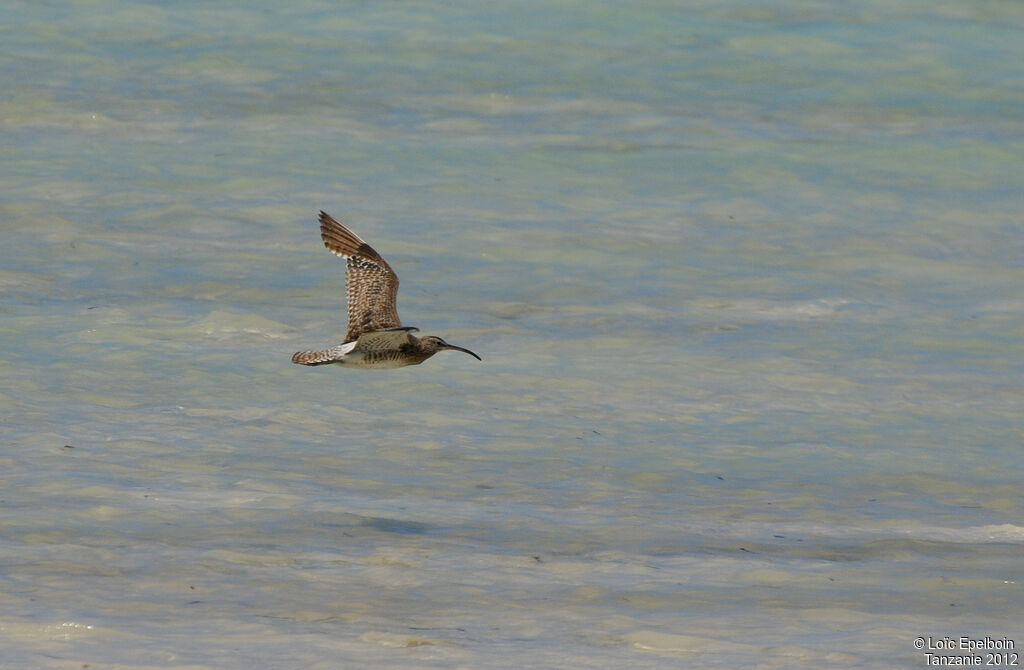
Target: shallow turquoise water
point(746, 280)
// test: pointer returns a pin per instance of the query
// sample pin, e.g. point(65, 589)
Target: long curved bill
point(465, 351)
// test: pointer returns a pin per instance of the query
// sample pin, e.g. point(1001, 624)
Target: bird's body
point(394, 348)
point(376, 337)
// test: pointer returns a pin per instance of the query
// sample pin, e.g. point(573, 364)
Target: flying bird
point(376, 337)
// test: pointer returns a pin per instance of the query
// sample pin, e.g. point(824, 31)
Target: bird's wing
point(372, 286)
point(385, 340)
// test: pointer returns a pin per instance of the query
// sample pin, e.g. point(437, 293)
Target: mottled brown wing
point(385, 340)
point(372, 286)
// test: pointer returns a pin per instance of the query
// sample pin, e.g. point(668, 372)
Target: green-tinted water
point(746, 281)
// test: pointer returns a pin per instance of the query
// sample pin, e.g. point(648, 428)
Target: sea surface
point(747, 279)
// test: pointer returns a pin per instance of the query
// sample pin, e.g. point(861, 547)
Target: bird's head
point(433, 344)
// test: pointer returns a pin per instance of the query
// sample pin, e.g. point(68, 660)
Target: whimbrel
point(376, 337)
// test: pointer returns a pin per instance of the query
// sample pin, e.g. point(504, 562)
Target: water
point(746, 280)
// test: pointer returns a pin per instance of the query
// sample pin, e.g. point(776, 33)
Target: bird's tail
point(322, 357)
